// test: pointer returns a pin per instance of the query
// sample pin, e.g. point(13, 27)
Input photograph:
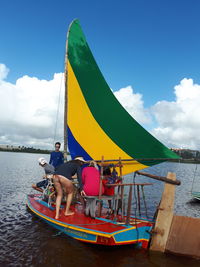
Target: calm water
point(26, 240)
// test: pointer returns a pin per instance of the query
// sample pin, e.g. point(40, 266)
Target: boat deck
point(79, 219)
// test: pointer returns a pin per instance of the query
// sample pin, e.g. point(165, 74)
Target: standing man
point(56, 157)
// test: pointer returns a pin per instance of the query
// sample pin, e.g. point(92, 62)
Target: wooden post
point(128, 215)
point(100, 188)
point(164, 217)
point(138, 196)
point(122, 201)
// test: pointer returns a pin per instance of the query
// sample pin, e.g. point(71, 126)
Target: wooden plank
point(110, 185)
point(164, 217)
point(184, 236)
point(160, 178)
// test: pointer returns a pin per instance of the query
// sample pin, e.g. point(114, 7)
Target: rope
point(136, 202)
point(58, 107)
point(194, 178)
point(145, 206)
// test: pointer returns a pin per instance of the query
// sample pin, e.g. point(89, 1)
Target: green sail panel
point(116, 122)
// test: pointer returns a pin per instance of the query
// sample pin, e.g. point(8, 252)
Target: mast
point(66, 96)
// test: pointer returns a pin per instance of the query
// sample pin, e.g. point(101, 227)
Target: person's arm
point(62, 158)
point(83, 176)
point(104, 182)
point(51, 160)
point(79, 177)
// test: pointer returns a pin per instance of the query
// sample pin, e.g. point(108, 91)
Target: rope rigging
point(58, 109)
point(195, 170)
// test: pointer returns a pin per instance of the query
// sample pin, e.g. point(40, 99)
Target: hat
point(80, 158)
point(42, 161)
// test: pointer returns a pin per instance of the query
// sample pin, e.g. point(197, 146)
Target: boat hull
point(100, 231)
point(196, 195)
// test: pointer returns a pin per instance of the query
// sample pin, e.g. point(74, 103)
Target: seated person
point(49, 171)
point(109, 178)
point(91, 180)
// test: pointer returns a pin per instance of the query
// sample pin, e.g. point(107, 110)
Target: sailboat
point(98, 128)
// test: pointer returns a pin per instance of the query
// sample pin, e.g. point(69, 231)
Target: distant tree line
point(188, 155)
point(25, 149)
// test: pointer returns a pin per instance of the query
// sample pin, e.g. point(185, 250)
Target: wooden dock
point(173, 233)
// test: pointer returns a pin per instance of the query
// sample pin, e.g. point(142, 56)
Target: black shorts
point(42, 183)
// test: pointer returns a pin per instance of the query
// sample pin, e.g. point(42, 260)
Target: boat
point(195, 195)
point(195, 192)
point(98, 128)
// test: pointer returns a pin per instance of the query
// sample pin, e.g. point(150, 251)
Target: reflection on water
point(27, 241)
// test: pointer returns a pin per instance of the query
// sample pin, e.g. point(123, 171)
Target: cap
point(80, 158)
point(42, 161)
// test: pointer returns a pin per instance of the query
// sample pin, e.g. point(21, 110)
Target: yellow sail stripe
point(88, 132)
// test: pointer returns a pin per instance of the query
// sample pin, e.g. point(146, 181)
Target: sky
point(148, 52)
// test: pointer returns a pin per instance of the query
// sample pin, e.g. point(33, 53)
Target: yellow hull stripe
point(79, 229)
point(88, 241)
point(136, 240)
point(69, 226)
point(88, 132)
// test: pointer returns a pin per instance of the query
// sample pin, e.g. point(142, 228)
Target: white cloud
point(28, 110)
point(179, 121)
point(3, 72)
point(133, 103)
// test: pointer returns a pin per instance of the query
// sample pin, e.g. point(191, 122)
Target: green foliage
point(26, 150)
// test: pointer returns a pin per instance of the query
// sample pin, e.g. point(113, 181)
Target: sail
point(98, 125)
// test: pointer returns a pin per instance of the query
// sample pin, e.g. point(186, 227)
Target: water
point(26, 240)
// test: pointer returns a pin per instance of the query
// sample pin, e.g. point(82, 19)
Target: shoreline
point(40, 151)
point(194, 161)
point(36, 151)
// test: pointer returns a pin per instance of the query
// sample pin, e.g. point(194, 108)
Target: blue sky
point(150, 45)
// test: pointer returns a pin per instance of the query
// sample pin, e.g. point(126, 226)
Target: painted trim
point(67, 225)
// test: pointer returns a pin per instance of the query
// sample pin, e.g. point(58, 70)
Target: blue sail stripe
point(75, 148)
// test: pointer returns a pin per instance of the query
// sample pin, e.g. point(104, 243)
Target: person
point(49, 171)
point(91, 180)
point(62, 180)
point(56, 157)
point(109, 178)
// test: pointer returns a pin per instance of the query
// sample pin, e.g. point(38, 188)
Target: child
point(109, 178)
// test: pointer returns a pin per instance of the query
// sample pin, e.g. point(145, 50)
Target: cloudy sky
point(148, 53)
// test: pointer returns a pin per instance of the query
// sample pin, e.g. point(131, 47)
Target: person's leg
point(58, 187)
point(68, 187)
point(109, 204)
point(79, 197)
point(68, 203)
